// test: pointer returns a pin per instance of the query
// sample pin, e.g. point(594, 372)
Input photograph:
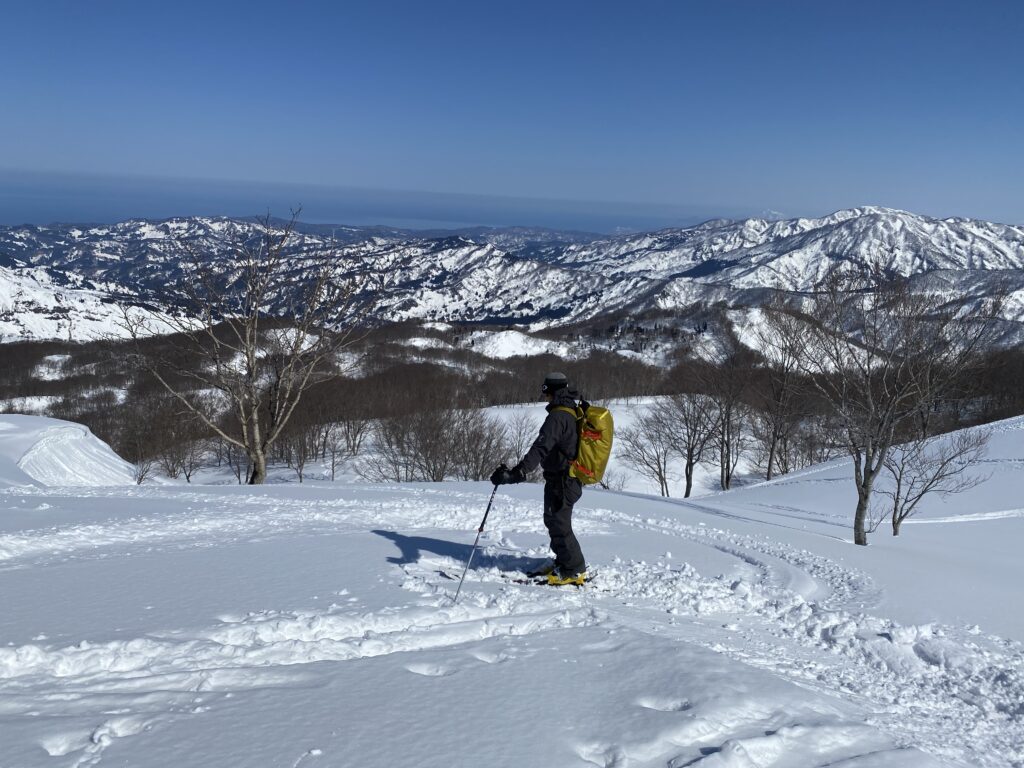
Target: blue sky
point(588, 114)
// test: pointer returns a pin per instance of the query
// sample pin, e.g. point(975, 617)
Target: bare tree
point(931, 465)
point(877, 352)
point(815, 441)
point(390, 458)
point(522, 431)
point(431, 434)
point(136, 441)
point(731, 436)
point(169, 459)
point(434, 444)
point(353, 429)
point(480, 444)
point(302, 449)
point(726, 384)
point(647, 446)
point(254, 332)
point(237, 459)
point(613, 480)
point(141, 469)
point(178, 438)
point(778, 402)
point(690, 420)
point(193, 457)
point(337, 448)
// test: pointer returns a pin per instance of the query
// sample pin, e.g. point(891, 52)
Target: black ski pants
point(560, 494)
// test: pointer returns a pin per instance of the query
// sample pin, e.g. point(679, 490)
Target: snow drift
point(35, 450)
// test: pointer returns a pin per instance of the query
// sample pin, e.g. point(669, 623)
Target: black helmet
point(554, 382)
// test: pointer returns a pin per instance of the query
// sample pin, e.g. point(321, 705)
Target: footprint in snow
point(490, 658)
point(430, 670)
point(662, 704)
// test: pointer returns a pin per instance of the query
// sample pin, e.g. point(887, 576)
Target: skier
point(554, 450)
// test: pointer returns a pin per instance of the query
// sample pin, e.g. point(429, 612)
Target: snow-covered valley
point(66, 281)
point(304, 625)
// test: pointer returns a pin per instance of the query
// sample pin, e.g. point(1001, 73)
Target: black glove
point(501, 475)
point(504, 476)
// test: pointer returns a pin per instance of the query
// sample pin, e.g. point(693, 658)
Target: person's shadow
point(413, 547)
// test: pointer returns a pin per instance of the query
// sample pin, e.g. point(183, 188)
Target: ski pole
point(477, 541)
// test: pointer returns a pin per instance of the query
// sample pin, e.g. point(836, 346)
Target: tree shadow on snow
point(412, 549)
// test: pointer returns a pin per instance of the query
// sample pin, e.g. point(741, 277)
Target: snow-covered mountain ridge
point(61, 276)
point(791, 254)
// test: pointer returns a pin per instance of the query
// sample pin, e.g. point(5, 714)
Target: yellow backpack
point(595, 427)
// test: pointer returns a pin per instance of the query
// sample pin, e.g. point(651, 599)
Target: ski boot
point(557, 579)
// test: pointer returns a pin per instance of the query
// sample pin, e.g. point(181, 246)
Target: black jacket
point(555, 446)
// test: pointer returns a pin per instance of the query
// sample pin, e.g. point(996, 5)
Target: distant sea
point(47, 198)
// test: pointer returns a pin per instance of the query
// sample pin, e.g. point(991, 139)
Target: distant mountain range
point(63, 281)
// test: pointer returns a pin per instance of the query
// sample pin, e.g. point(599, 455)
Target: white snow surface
point(313, 625)
point(32, 305)
point(505, 344)
point(39, 451)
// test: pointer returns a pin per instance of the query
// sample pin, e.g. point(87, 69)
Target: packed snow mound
point(35, 450)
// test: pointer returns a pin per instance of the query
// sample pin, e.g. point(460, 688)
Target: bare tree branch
point(929, 465)
point(260, 325)
point(878, 353)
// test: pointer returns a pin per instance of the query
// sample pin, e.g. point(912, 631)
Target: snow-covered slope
point(38, 451)
point(524, 276)
point(35, 306)
point(505, 344)
point(313, 625)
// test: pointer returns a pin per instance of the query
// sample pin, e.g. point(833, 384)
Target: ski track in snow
point(802, 617)
point(274, 639)
point(961, 697)
point(1001, 514)
point(965, 695)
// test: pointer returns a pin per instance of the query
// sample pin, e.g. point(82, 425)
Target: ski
point(521, 579)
